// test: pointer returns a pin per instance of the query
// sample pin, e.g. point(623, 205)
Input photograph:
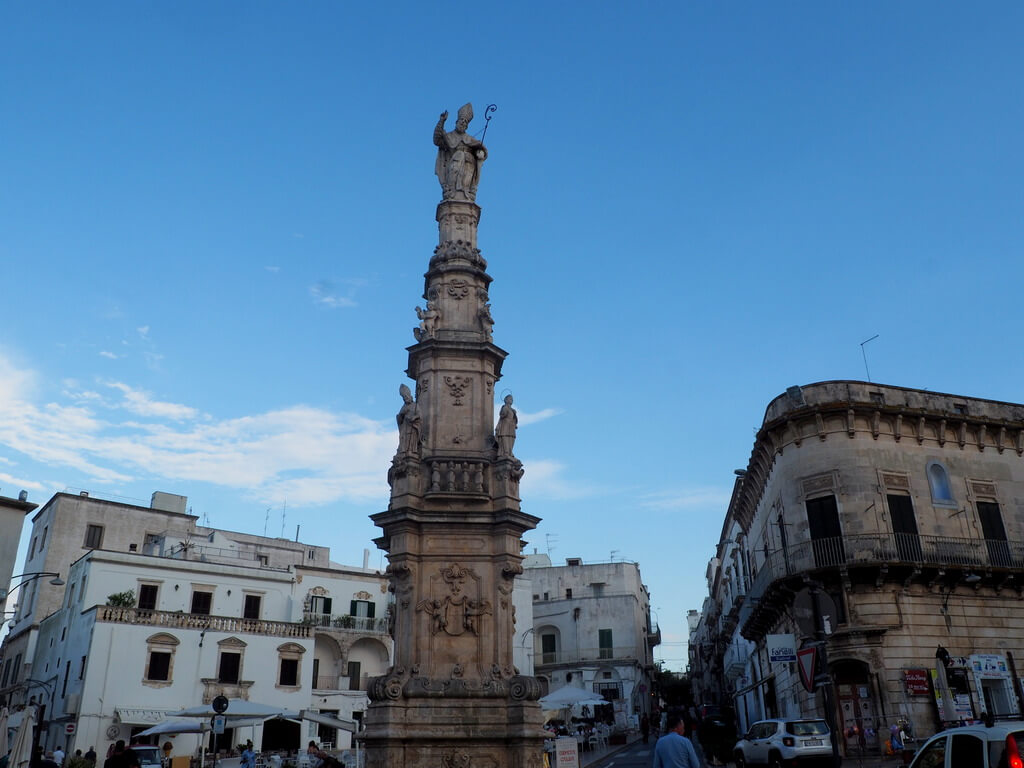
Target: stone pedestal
point(453, 533)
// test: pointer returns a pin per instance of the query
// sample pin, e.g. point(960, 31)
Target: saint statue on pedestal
point(459, 157)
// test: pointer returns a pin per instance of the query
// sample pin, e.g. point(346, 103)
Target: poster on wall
point(959, 701)
point(989, 665)
point(916, 682)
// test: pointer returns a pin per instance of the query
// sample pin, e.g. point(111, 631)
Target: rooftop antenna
point(284, 509)
point(865, 355)
point(266, 522)
point(550, 539)
point(614, 552)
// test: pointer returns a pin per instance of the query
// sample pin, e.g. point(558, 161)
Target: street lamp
point(56, 581)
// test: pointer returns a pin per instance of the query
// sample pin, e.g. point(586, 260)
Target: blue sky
point(215, 217)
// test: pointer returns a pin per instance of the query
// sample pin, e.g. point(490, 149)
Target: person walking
point(645, 728)
point(674, 750)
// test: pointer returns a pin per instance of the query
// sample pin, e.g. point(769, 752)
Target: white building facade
point(592, 629)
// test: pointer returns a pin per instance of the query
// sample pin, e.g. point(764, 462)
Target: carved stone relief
point(457, 386)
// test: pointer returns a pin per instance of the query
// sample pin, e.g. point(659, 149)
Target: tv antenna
point(284, 510)
point(865, 355)
point(612, 555)
point(551, 539)
point(266, 522)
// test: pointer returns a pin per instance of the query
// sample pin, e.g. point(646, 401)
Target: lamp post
point(56, 581)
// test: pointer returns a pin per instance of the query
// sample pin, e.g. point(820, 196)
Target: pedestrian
point(91, 755)
point(122, 757)
point(48, 761)
point(58, 757)
point(248, 756)
point(78, 761)
point(674, 750)
point(313, 752)
point(645, 727)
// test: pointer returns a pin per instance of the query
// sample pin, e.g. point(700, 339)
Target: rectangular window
point(202, 602)
point(311, 554)
point(568, 594)
point(363, 608)
point(67, 674)
point(289, 672)
point(81, 670)
point(7, 673)
point(147, 597)
point(251, 610)
point(93, 536)
point(32, 549)
point(604, 641)
point(321, 605)
point(548, 649)
point(354, 675)
point(230, 667)
point(42, 539)
point(159, 666)
point(17, 666)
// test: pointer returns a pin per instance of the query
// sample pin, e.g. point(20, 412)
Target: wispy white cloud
point(272, 269)
point(139, 402)
point(143, 331)
point(688, 498)
point(533, 418)
point(307, 455)
point(108, 354)
point(20, 483)
point(546, 478)
point(328, 294)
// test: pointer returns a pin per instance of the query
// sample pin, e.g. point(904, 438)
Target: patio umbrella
point(3, 732)
point(21, 752)
point(236, 708)
point(569, 695)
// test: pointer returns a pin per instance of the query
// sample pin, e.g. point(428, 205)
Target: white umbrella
point(236, 708)
point(3, 732)
point(177, 726)
point(21, 752)
point(569, 695)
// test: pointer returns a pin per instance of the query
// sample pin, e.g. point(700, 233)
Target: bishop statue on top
point(459, 157)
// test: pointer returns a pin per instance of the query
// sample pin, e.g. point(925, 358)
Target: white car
point(974, 746)
point(782, 742)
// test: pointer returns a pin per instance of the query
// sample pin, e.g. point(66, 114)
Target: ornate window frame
point(161, 642)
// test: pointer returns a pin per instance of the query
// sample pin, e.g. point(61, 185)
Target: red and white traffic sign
point(69, 728)
point(807, 664)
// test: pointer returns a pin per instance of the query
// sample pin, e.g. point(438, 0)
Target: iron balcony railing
point(867, 549)
point(344, 621)
point(573, 656)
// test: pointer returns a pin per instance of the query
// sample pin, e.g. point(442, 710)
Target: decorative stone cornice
point(832, 408)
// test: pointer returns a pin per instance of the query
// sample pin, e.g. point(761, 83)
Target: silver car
point(974, 746)
point(783, 742)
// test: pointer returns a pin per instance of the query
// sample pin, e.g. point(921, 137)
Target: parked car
point(1000, 745)
point(781, 742)
point(150, 755)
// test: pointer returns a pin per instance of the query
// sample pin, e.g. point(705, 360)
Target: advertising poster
point(781, 648)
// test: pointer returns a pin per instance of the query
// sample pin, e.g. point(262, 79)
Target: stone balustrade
point(176, 620)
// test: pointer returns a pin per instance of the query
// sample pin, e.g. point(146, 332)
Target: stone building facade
point(592, 629)
point(904, 511)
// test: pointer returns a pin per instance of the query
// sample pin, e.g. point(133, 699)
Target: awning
point(132, 716)
point(330, 722)
point(752, 686)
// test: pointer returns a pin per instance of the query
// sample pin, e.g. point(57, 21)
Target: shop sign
point(989, 665)
point(916, 682)
point(781, 648)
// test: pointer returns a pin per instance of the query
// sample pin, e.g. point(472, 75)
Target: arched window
point(938, 482)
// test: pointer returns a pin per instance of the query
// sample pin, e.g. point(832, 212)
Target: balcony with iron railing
point(200, 621)
point(618, 654)
point(880, 552)
point(345, 622)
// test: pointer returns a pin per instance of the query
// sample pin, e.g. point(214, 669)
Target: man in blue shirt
point(674, 750)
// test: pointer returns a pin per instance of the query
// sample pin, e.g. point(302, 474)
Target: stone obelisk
point(453, 528)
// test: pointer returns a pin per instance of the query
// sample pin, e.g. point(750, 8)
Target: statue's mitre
point(466, 112)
